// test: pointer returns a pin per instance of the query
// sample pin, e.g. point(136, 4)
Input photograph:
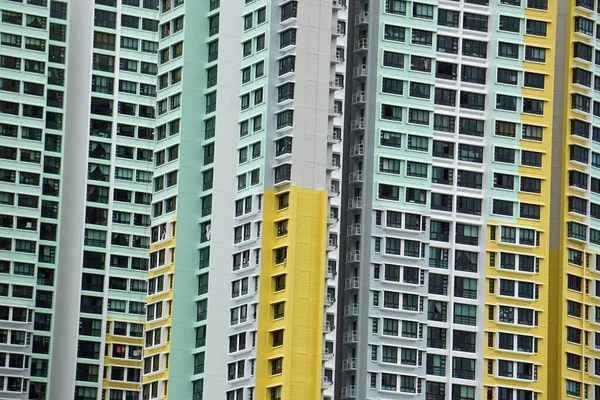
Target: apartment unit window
point(582, 77)
point(473, 74)
point(535, 27)
point(424, 11)
point(473, 101)
point(537, 54)
point(446, 97)
point(392, 139)
point(287, 64)
point(504, 128)
point(289, 10)
point(421, 37)
point(504, 155)
point(510, 24)
point(508, 50)
point(474, 48)
point(532, 132)
point(418, 63)
point(395, 33)
point(447, 44)
point(391, 112)
point(531, 158)
point(420, 117)
point(584, 25)
point(395, 7)
point(475, 22)
point(287, 38)
point(394, 86)
point(444, 123)
point(448, 18)
point(392, 59)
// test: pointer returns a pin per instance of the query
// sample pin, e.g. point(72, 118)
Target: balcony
point(351, 310)
point(361, 45)
point(360, 71)
point(327, 355)
point(328, 327)
point(329, 300)
point(352, 283)
point(362, 18)
point(350, 337)
point(338, 4)
point(332, 220)
point(354, 229)
point(357, 124)
point(332, 245)
point(355, 203)
point(337, 57)
point(349, 392)
point(356, 176)
point(335, 112)
point(338, 30)
point(349, 364)
point(333, 191)
point(353, 256)
point(334, 137)
point(357, 150)
point(333, 164)
point(335, 85)
point(330, 272)
point(359, 97)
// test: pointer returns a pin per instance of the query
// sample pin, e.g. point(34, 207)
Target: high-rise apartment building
point(247, 172)
point(149, 254)
point(180, 217)
point(449, 118)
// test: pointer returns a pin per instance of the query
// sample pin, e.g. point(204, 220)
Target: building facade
point(449, 126)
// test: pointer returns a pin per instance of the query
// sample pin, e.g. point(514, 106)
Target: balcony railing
point(353, 256)
point(356, 176)
point(351, 310)
point(350, 337)
point(361, 18)
point(357, 150)
point(361, 44)
point(349, 364)
point(355, 202)
point(357, 124)
point(359, 97)
point(349, 392)
point(359, 71)
point(354, 229)
point(352, 283)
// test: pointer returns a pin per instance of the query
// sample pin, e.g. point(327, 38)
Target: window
point(421, 37)
point(393, 32)
point(509, 24)
point(475, 22)
point(508, 50)
point(394, 86)
point(473, 101)
point(395, 7)
point(474, 48)
point(448, 18)
point(391, 112)
point(393, 60)
point(447, 44)
point(535, 27)
point(537, 54)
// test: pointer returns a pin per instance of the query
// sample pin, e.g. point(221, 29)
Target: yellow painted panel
point(304, 295)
